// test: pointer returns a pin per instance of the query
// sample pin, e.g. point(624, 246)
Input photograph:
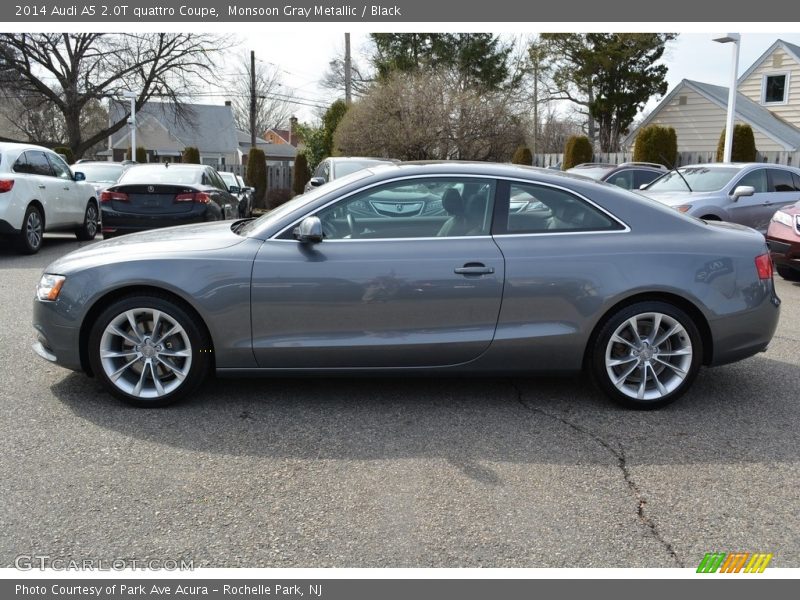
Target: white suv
point(38, 193)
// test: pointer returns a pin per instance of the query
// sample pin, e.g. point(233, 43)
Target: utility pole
point(252, 99)
point(535, 106)
point(348, 75)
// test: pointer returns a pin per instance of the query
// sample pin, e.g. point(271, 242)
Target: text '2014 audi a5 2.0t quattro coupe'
point(591, 278)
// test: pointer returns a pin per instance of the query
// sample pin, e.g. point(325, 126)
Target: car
point(628, 176)
point(339, 166)
point(637, 294)
point(244, 193)
point(150, 196)
point(783, 239)
point(744, 193)
point(101, 174)
point(39, 193)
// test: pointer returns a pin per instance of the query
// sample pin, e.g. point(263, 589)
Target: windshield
point(351, 166)
point(228, 178)
point(299, 201)
point(100, 173)
point(160, 174)
point(700, 179)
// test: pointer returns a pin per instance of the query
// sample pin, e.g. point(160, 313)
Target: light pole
point(728, 38)
point(132, 121)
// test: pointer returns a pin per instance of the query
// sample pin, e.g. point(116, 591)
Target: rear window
point(161, 174)
point(100, 173)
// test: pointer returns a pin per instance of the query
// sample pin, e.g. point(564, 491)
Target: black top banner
point(399, 11)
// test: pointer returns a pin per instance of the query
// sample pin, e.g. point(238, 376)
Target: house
point(283, 136)
point(165, 129)
point(274, 152)
point(768, 99)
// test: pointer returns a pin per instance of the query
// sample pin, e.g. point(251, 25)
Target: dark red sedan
point(783, 238)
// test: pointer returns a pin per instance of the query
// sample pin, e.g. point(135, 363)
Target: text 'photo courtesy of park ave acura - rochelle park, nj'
point(304, 298)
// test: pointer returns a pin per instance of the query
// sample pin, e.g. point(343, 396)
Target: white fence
point(684, 158)
point(279, 174)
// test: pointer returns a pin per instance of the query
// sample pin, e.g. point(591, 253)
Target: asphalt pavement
point(395, 472)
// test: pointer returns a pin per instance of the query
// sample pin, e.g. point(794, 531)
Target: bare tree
point(273, 103)
point(428, 114)
point(334, 78)
point(68, 71)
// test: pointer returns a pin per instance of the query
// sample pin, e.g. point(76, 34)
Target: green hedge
point(191, 155)
point(577, 150)
point(522, 156)
point(300, 174)
point(67, 152)
point(656, 144)
point(257, 175)
point(744, 144)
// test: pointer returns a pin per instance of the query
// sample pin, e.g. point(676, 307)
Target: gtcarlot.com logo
point(30, 562)
point(734, 562)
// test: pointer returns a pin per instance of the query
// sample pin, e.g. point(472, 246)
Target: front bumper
point(56, 342)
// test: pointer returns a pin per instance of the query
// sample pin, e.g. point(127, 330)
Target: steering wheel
point(351, 223)
point(329, 230)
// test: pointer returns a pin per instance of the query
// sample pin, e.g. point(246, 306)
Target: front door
point(414, 282)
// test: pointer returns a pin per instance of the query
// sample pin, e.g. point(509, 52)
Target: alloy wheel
point(33, 229)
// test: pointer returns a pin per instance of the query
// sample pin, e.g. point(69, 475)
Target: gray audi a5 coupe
point(591, 277)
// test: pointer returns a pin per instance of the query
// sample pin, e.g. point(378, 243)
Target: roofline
point(628, 140)
point(764, 55)
point(275, 131)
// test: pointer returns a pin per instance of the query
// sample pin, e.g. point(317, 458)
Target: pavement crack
point(618, 452)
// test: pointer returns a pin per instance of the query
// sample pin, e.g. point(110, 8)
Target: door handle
point(66, 188)
point(41, 187)
point(474, 269)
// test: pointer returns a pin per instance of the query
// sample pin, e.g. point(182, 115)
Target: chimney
point(292, 130)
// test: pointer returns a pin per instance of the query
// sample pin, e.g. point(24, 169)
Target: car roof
point(7, 146)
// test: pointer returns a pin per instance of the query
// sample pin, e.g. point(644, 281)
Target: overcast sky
point(691, 56)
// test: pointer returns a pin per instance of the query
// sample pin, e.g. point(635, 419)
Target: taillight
point(108, 196)
point(6, 185)
point(199, 197)
point(764, 266)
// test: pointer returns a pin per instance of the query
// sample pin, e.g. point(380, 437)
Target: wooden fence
point(279, 175)
point(684, 158)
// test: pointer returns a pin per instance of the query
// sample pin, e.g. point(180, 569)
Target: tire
point(29, 240)
point(108, 236)
point(143, 369)
point(788, 273)
point(91, 220)
point(669, 363)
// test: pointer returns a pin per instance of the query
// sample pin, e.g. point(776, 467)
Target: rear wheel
point(29, 240)
point(91, 219)
point(646, 355)
point(788, 273)
point(148, 351)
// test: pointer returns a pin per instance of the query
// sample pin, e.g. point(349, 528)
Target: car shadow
point(740, 413)
point(54, 246)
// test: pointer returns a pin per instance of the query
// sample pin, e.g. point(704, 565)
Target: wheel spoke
point(117, 331)
point(622, 340)
point(642, 383)
point(656, 325)
point(178, 373)
point(156, 380)
point(174, 330)
point(672, 331)
point(116, 374)
point(140, 384)
point(175, 353)
point(620, 381)
point(679, 352)
point(675, 368)
point(118, 353)
point(132, 321)
point(661, 389)
point(633, 323)
point(156, 323)
point(616, 362)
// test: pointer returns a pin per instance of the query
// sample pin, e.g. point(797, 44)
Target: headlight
point(49, 287)
point(783, 218)
point(683, 208)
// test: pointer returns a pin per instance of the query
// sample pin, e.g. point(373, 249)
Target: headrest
point(452, 202)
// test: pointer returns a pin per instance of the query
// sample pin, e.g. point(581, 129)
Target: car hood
point(679, 198)
point(187, 239)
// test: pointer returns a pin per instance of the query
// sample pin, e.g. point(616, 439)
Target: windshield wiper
point(238, 226)
point(674, 168)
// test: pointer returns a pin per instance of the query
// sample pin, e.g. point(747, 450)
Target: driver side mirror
point(309, 231)
point(78, 176)
point(643, 186)
point(316, 181)
point(743, 190)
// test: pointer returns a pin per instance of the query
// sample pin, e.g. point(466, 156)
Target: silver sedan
point(745, 193)
point(525, 271)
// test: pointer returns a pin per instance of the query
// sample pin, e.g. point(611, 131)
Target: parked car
point(338, 166)
point(628, 176)
point(101, 174)
point(244, 193)
point(745, 193)
point(783, 239)
point(310, 288)
point(39, 193)
point(161, 195)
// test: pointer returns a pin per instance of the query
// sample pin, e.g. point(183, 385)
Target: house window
point(775, 88)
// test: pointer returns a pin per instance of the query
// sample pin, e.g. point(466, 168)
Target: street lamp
point(132, 121)
point(725, 39)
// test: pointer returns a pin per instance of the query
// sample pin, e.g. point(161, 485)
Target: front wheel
point(91, 219)
point(646, 355)
point(148, 351)
point(788, 273)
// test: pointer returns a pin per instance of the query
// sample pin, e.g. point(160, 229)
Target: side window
point(321, 169)
point(217, 182)
point(21, 165)
point(781, 181)
point(757, 179)
point(39, 163)
point(413, 208)
point(541, 209)
point(59, 167)
point(623, 179)
point(641, 177)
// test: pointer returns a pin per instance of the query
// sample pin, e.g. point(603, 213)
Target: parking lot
point(395, 472)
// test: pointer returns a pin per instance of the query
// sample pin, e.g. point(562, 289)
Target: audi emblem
point(151, 189)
